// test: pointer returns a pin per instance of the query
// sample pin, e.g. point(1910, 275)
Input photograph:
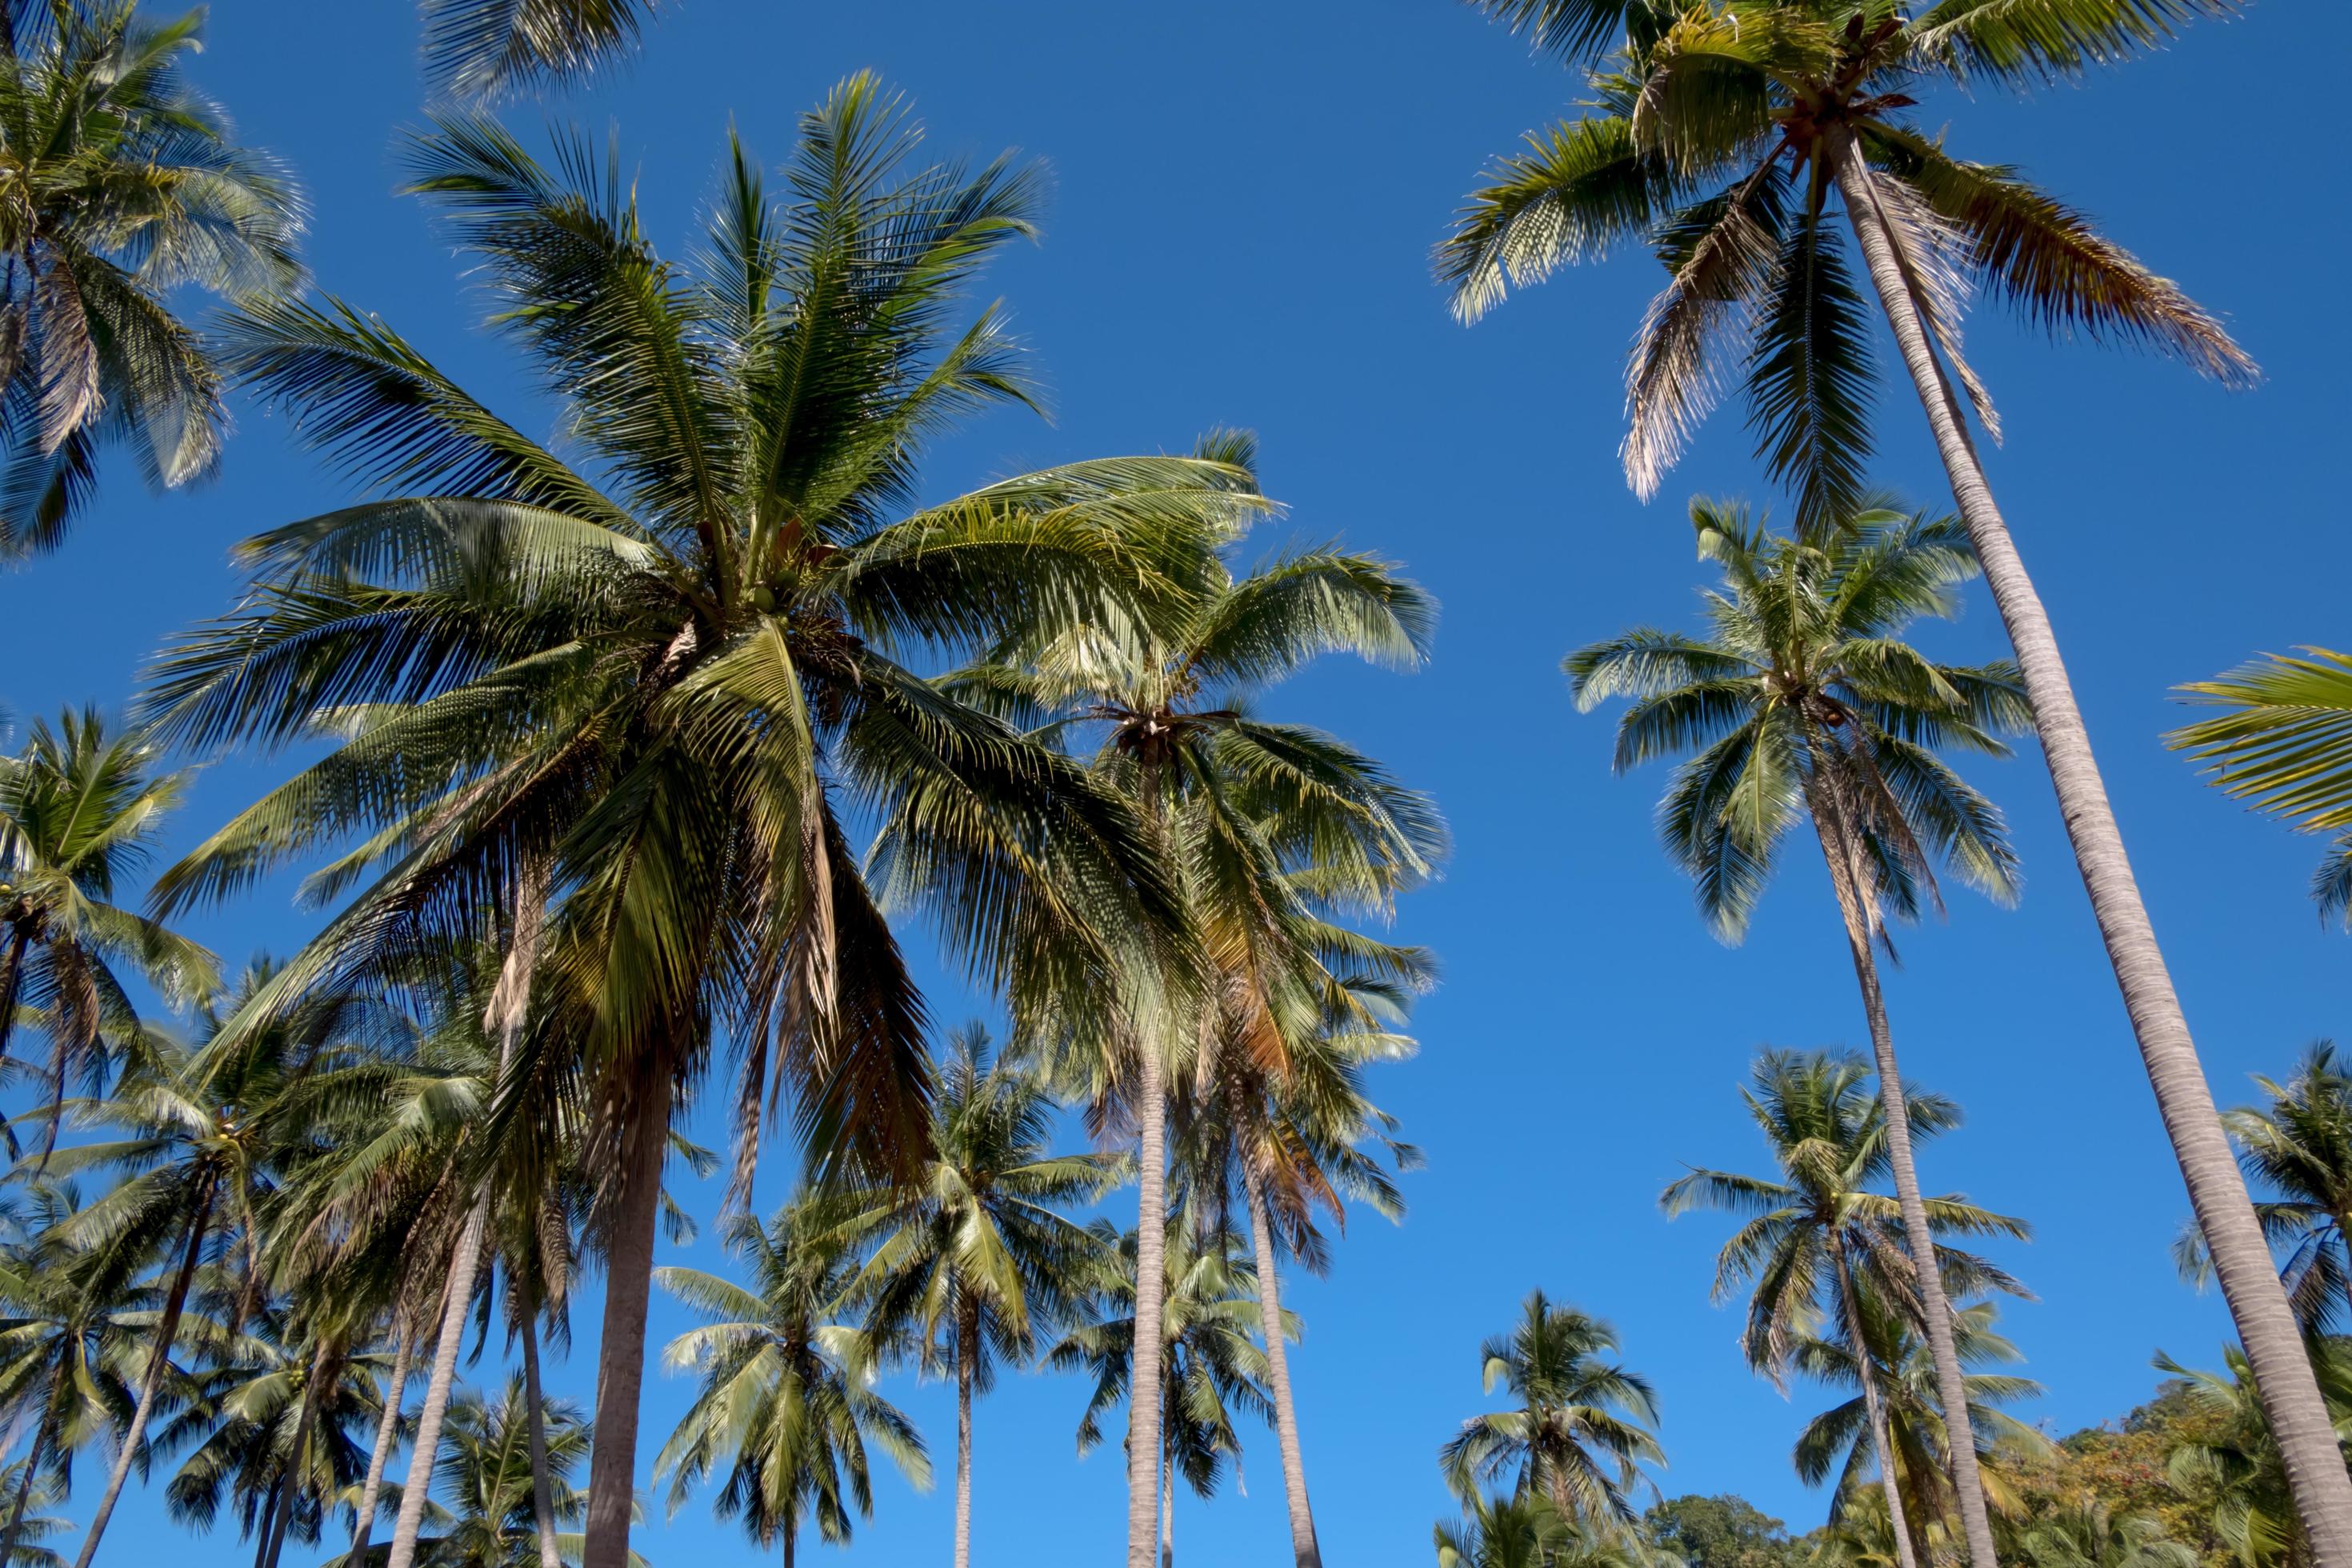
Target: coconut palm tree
point(1803, 701)
point(1527, 1530)
point(2285, 744)
point(975, 1258)
point(1843, 1441)
point(1265, 826)
point(72, 1335)
point(1719, 134)
point(2299, 1147)
point(2233, 1461)
point(786, 1403)
point(1579, 1427)
point(33, 1529)
point(670, 662)
point(487, 1478)
point(201, 1133)
point(81, 809)
point(1210, 1367)
point(1819, 1244)
point(124, 184)
point(479, 50)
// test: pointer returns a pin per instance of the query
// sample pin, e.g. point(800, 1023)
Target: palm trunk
point(2217, 1191)
point(464, 1263)
point(1874, 1408)
point(387, 1432)
point(24, 1498)
point(269, 1512)
point(967, 1349)
point(621, 1353)
point(290, 1491)
point(1167, 1518)
point(1143, 1444)
point(543, 1500)
point(1303, 1544)
point(167, 1333)
point(1841, 849)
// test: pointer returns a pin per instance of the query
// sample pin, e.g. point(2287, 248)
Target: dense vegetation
point(629, 766)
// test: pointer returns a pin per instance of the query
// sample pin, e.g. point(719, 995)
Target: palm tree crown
point(123, 184)
point(1580, 1426)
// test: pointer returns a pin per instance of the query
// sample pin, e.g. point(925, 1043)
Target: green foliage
point(1722, 1532)
point(2285, 744)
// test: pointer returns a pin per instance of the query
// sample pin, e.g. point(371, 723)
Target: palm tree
point(487, 1475)
point(2234, 1460)
point(123, 184)
point(1845, 1441)
point(2300, 1147)
point(1720, 131)
point(478, 50)
point(786, 1403)
point(1241, 811)
point(974, 1256)
point(1804, 698)
point(669, 666)
point(2087, 1533)
point(1818, 1243)
point(1579, 1427)
point(203, 1133)
point(1210, 1368)
point(70, 1339)
point(2285, 743)
point(80, 808)
point(32, 1529)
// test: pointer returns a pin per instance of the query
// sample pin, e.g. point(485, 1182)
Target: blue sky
point(1246, 197)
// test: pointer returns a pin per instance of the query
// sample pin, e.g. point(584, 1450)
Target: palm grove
point(628, 766)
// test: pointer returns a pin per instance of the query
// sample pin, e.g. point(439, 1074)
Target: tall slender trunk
point(1143, 1441)
point(1874, 1407)
point(167, 1334)
point(1303, 1544)
point(543, 1499)
point(621, 1352)
point(269, 1512)
point(509, 1009)
point(2217, 1191)
point(967, 1351)
point(24, 1498)
point(289, 1493)
point(1841, 847)
point(1167, 1517)
point(464, 1263)
point(387, 1432)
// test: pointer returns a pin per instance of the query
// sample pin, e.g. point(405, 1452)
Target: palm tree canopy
point(1826, 1128)
point(1579, 1427)
point(1715, 136)
point(1803, 697)
point(669, 668)
point(123, 184)
point(479, 50)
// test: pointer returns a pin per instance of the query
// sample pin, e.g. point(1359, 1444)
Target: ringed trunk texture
point(1303, 1544)
point(1846, 876)
point(2217, 1191)
point(542, 1501)
point(967, 1348)
point(464, 1263)
point(1874, 1407)
point(167, 1333)
point(387, 1432)
point(1151, 1291)
point(621, 1352)
point(1168, 1517)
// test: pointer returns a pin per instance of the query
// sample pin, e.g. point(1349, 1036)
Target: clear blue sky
point(1246, 193)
